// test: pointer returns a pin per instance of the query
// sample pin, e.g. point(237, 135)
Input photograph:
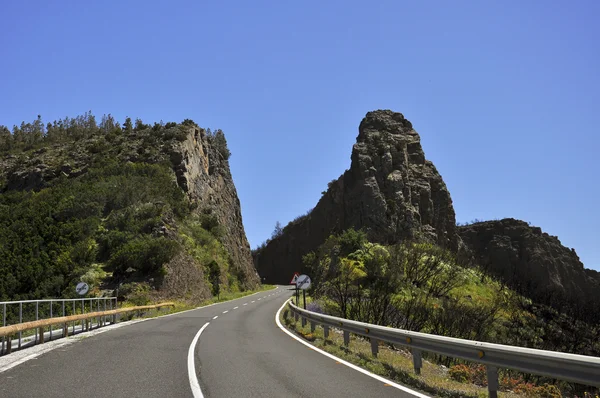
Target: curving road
point(241, 352)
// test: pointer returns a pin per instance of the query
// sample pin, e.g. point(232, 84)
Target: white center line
point(215, 317)
point(259, 299)
point(245, 303)
point(235, 308)
point(225, 312)
point(253, 301)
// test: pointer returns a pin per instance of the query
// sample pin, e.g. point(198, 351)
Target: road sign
point(294, 278)
point(82, 288)
point(303, 282)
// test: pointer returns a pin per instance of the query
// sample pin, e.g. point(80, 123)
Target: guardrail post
point(3, 324)
point(8, 344)
point(346, 338)
point(20, 321)
point(296, 316)
point(325, 333)
point(37, 308)
point(312, 326)
point(374, 347)
point(110, 307)
point(417, 361)
point(492, 379)
point(50, 317)
point(42, 335)
point(303, 321)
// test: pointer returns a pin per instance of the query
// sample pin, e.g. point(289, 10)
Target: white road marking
point(350, 365)
point(194, 383)
point(245, 303)
point(225, 312)
point(259, 299)
point(215, 317)
point(254, 301)
point(235, 308)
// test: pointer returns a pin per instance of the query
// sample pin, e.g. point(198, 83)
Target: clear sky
point(505, 94)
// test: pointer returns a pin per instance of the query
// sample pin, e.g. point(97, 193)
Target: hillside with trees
point(113, 205)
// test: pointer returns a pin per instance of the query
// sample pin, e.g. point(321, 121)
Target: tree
point(221, 144)
point(215, 278)
point(139, 125)
point(108, 124)
point(128, 125)
point(278, 231)
point(6, 139)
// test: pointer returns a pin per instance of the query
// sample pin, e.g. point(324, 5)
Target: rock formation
point(532, 262)
point(390, 190)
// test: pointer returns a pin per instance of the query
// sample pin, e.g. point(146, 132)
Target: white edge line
point(245, 303)
point(194, 383)
point(225, 312)
point(215, 317)
point(235, 308)
point(350, 365)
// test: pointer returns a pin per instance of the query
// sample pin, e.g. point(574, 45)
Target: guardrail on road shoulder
point(570, 367)
point(7, 331)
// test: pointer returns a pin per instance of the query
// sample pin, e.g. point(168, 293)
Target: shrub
point(315, 307)
point(460, 373)
point(145, 255)
point(136, 293)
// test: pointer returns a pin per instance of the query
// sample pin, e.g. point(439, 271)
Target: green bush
point(136, 293)
point(143, 255)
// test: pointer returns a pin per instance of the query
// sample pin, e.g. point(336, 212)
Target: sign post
point(303, 282)
point(293, 282)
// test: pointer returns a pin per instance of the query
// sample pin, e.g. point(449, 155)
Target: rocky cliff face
point(532, 262)
point(390, 190)
point(203, 173)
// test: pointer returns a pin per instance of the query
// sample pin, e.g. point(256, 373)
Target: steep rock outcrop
point(390, 190)
point(203, 173)
point(532, 262)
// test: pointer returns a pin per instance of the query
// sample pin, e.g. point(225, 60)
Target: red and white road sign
point(294, 278)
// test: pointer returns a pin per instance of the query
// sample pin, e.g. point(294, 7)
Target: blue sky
point(505, 94)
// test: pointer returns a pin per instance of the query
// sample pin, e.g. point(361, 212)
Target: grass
point(392, 363)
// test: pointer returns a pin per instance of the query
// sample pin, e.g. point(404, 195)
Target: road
point(240, 353)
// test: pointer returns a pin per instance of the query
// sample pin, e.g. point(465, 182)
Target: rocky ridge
point(532, 262)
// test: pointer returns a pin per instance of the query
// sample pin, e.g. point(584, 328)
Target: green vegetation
point(422, 287)
point(111, 214)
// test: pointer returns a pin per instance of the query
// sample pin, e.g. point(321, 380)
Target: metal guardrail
point(570, 367)
point(50, 308)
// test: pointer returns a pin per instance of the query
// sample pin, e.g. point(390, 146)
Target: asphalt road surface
point(240, 353)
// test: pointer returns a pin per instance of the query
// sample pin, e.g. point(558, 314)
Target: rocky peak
point(390, 190)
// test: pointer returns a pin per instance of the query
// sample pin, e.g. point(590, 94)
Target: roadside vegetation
point(422, 287)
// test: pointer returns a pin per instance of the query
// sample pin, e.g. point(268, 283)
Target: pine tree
point(128, 125)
